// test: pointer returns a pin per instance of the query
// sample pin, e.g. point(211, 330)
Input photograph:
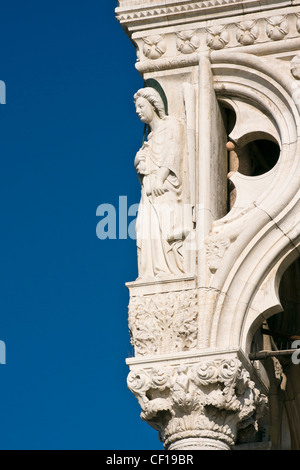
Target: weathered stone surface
point(230, 74)
point(208, 402)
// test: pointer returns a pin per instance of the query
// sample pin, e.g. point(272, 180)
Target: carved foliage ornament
point(163, 323)
point(212, 399)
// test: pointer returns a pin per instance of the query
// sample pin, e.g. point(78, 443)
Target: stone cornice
point(141, 14)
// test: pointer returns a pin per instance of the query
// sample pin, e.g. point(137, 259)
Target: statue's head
point(148, 100)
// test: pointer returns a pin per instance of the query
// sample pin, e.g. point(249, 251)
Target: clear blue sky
point(69, 134)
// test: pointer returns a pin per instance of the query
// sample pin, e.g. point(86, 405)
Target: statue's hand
point(140, 157)
point(140, 162)
point(158, 187)
point(141, 168)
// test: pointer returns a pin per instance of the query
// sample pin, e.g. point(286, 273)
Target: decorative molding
point(136, 11)
point(212, 400)
point(158, 11)
point(166, 63)
point(163, 323)
point(260, 33)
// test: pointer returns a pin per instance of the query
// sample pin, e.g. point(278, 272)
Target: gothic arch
point(275, 329)
point(266, 301)
point(262, 225)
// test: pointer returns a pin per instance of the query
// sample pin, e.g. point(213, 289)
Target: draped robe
point(161, 226)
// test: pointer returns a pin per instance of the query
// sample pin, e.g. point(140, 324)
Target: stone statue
point(160, 163)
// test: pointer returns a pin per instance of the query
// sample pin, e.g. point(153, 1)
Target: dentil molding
point(136, 13)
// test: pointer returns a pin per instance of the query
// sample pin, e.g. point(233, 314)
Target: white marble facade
point(219, 216)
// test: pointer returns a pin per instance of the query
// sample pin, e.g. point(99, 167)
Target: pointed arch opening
point(273, 345)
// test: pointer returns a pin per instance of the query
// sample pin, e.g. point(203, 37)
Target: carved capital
point(208, 403)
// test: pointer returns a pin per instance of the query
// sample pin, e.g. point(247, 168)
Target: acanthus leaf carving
point(212, 399)
point(163, 323)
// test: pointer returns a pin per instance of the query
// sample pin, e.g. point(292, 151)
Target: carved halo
point(152, 83)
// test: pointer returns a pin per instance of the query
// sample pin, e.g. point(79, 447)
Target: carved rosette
point(187, 41)
point(277, 27)
point(217, 36)
point(154, 46)
point(163, 323)
point(247, 32)
point(209, 402)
